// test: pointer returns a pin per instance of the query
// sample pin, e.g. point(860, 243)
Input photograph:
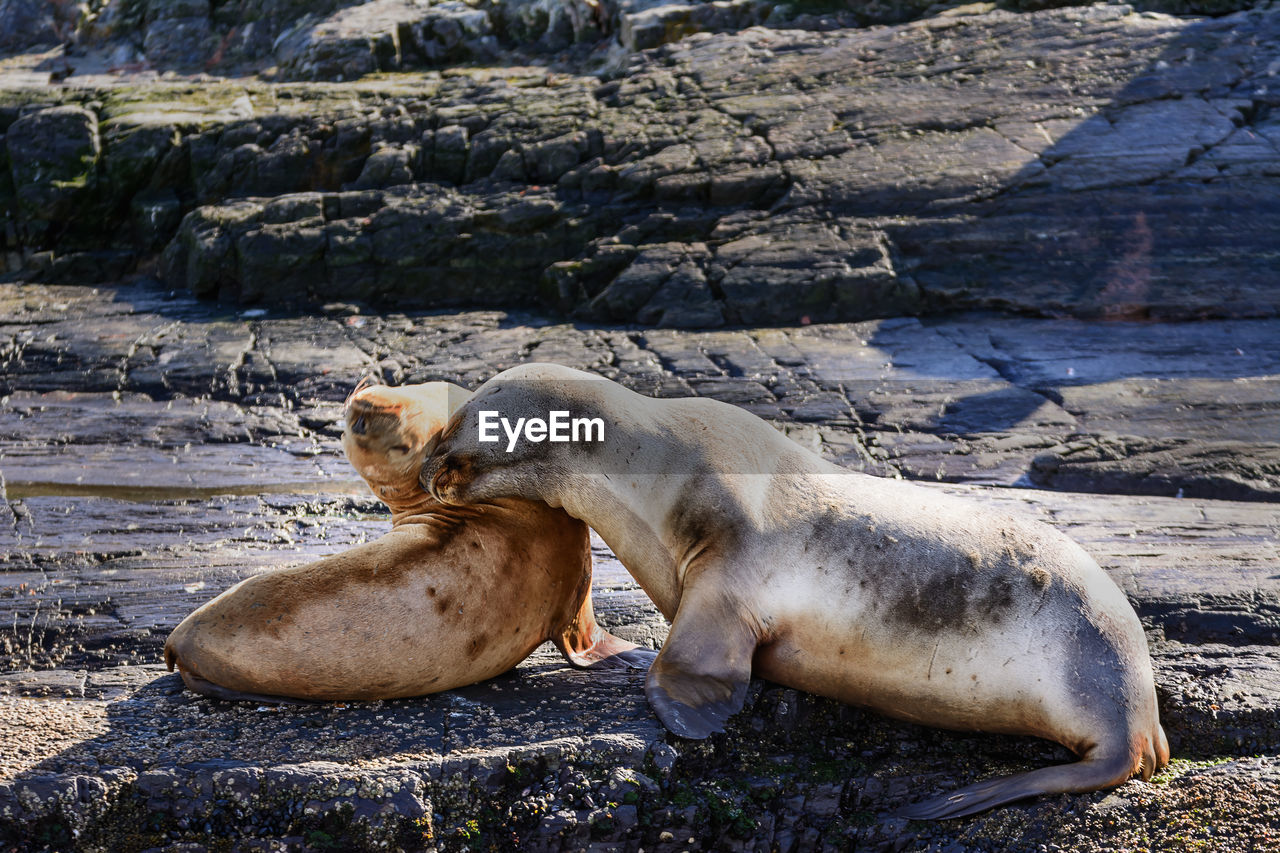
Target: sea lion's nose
point(431, 466)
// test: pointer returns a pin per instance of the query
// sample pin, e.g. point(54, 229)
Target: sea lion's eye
point(400, 448)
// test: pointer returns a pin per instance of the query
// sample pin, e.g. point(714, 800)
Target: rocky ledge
point(1093, 162)
point(155, 449)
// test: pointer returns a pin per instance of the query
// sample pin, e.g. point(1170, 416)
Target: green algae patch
point(1178, 767)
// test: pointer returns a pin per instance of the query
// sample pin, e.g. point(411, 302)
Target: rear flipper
point(1091, 774)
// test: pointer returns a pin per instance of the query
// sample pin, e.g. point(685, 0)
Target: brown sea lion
point(769, 559)
point(450, 596)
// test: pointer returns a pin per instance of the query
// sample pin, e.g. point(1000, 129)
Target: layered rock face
point(1096, 162)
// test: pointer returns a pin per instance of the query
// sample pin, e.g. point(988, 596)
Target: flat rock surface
point(155, 449)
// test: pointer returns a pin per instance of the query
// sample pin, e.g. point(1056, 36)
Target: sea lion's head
point(388, 431)
point(488, 450)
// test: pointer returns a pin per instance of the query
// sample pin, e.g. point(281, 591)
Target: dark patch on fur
point(831, 533)
point(476, 646)
point(997, 600)
point(1101, 671)
point(703, 518)
point(932, 601)
point(943, 589)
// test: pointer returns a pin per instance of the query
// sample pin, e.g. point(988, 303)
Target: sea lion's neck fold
point(424, 509)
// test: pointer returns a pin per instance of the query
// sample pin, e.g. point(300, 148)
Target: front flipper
point(607, 652)
point(700, 677)
point(585, 644)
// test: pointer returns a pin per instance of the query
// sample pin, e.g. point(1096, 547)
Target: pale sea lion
point(450, 596)
point(769, 559)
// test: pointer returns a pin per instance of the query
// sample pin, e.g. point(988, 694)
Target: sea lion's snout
point(384, 424)
point(381, 432)
point(432, 467)
point(445, 476)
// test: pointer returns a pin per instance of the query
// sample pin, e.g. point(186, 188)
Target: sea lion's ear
point(700, 677)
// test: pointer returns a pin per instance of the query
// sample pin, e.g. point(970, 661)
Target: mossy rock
point(53, 159)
